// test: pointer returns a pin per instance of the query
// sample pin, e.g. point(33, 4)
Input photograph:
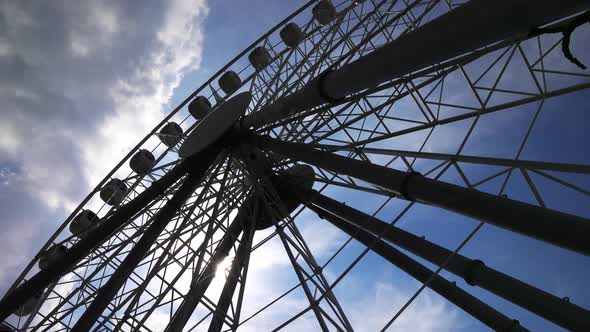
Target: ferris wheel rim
point(166, 119)
point(106, 178)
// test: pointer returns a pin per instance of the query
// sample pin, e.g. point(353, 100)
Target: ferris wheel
point(360, 117)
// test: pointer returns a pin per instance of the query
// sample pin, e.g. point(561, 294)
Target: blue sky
point(82, 82)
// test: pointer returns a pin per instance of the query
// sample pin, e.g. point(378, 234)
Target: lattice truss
point(465, 121)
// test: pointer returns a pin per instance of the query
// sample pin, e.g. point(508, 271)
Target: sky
point(82, 81)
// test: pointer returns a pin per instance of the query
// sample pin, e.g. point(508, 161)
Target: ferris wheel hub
point(213, 126)
point(301, 177)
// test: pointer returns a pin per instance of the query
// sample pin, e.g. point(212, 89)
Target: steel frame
point(361, 121)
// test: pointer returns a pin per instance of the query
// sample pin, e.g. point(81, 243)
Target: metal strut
point(279, 198)
point(161, 219)
point(470, 304)
point(558, 228)
point(82, 248)
point(239, 266)
point(474, 271)
point(225, 299)
point(520, 163)
point(202, 281)
point(441, 39)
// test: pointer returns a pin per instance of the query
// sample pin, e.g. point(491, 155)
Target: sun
point(222, 267)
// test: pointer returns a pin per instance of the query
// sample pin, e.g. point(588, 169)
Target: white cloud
point(14, 237)
point(16, 15)
point(79, 46)
point(427, 313)
point(140, 99)
point(9, 141)
point(97, 31)
point(5, 48)
point(63, 143)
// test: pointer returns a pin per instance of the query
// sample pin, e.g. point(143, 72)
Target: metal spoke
point(391, 102)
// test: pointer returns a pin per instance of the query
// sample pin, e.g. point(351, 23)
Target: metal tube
point(200, 285)
point(470, 304)
point(225, 299)
point(519, 163)
point(475, 272)
point(117, 280)
point(80, 249)
point(163, 260)
point(473, 25)
point(313, 304)
point(558, 228)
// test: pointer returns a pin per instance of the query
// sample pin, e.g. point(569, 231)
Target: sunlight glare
point(222, 267)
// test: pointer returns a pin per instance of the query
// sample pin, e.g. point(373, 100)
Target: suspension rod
point(95, 237)
point(473, 25)
point(202, 281)
point(558, 228)
point(474, 271)
point(470, 304)
point(140, 249)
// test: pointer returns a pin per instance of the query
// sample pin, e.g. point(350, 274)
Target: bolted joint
point(473, 267)
point(405, 184)
point(318, 269)
point(514, 326)
point(322, 88)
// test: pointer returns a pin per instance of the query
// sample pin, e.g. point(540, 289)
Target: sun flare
point(222, 267)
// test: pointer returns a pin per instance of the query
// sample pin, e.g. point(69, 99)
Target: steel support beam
point(202, 281)
point(82, 248)
point(278, 200)
point(313, 304)
point(470, 304)
point(107, 292)
point(518, 163)
point(172, 250)
point(225, 299)
point(469, 27)
point(475, 272)
point(558, 228)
